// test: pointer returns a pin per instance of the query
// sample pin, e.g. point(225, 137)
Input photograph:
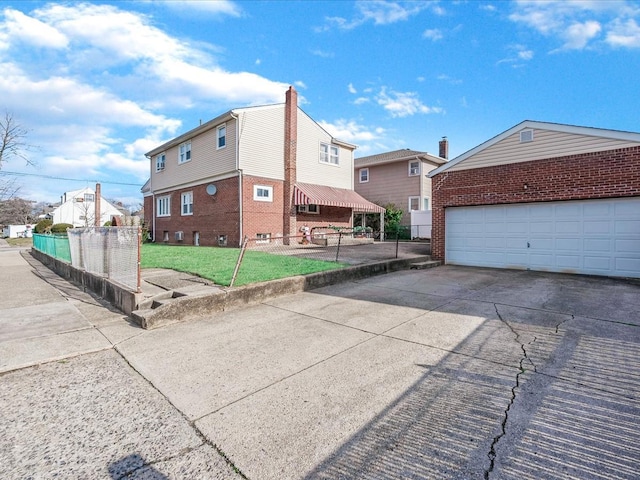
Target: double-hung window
point(414, 168)
point(160, 162)
point(89, 197)
point(414, 203)
point(328, 153)
point(222, 136)
point(187, 203)
point(184, 152)
point(262, 193)
point(163, 207)
point(364, 175)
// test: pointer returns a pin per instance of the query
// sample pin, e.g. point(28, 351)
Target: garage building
point(542, 196)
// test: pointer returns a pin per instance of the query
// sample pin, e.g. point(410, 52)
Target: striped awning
point(306, 194)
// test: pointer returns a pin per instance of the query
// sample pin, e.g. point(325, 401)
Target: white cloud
point(215, 8)
point(433, 34)
point(20, 27)
point(624, 34)
point(403, 104)
point(447, 78)
point(361, 100)
point(322, 53)
point(518, 55)
point(380, 12)
point(578, 24)
point(352, 89)
point(351, 131)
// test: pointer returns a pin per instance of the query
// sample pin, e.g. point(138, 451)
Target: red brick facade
point(613, 173)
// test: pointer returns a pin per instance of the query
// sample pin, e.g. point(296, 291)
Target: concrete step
point(423, 265)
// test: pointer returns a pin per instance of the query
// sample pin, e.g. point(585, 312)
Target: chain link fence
point(111, 252)
point(56, 246)
point(326, 248)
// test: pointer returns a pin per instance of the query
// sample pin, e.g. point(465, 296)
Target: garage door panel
point(592, 236)
point(568, 227)
point(623, 227)
point(596, 227)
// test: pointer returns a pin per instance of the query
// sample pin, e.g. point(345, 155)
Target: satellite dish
point(211, 189)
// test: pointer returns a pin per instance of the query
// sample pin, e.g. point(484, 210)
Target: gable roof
point(404, 154)
point(602, 139)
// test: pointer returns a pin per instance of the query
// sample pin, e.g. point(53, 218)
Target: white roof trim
point(556, 127)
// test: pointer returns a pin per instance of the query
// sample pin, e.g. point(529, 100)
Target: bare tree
point(12, 140)
point(15, 211)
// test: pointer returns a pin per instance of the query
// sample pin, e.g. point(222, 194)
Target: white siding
point(262, 142)
point(206, 160)
point(309, 167)
point(545, 144)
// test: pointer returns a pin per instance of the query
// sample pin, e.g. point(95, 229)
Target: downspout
point(240, 178)
point(153, 203)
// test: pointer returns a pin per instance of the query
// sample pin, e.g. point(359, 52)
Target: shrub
point(42, 226)
point(60, 227)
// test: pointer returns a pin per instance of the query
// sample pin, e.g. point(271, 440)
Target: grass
point(20, 242)
point(217, 264)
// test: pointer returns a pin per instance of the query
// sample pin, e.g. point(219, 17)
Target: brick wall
point(337, 217)
point(613, 173)
point(262, 217)
point(213, 215)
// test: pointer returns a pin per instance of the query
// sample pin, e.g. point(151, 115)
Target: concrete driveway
point(444, 373)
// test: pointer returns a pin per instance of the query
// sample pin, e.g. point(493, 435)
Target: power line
point(51, 177)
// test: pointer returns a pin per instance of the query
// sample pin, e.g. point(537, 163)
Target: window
point(163, 207)
point(187, 203)
point(89, 197)
point(160, 162)
point(328, 154)
point(311, 208)
point(184, 152)
point(263, 237)
point(426, 203)
point(526, 136)
point(222, 136)
point(262, 193)
point(414, 168)
point(364, 175)
point(414, 203)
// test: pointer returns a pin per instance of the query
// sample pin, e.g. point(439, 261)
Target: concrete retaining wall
point(121, 298)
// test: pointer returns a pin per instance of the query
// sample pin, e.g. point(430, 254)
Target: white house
point(79, 209)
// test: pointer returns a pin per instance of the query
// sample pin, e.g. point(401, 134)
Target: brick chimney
point(290, 149)
point(96, 202)
point(444, 148)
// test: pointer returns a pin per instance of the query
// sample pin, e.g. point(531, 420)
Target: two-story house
point(260, 172)
point(399, 178)
point(81, 207)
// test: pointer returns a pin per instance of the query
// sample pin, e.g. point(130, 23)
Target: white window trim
point(409, 203)
point(186, 196)
point(330, 147)
point(428, 200)
point(360, 175)
point(263, 237)
point(187, 146)
point(261, 198)
point(414, 174)
point(160, 199)
point(218, 147)
point(164, 162)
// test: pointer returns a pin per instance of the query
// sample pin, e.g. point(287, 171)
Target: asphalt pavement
point(449, 372)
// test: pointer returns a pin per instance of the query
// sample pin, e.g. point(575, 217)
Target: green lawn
point(217, 264)
point(20, 242)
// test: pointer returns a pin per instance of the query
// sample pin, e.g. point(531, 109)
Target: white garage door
point(597, 237)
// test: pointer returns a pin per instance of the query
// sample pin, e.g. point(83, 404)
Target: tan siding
point(310, 170)
point(390, 183)
point(262, 142)
point(546, 144)
point(206, 161)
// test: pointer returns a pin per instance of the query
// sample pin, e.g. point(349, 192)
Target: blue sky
point(98, 84)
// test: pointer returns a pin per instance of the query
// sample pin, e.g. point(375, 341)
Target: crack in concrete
point(525, 358)
point(564, 321)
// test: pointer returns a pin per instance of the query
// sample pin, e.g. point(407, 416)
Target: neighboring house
point(17, 231)
point(542, 196)
point(79, 209)
point(399, 178)
point(260, 172)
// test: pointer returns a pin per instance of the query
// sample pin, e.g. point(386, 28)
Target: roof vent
point(526, 136)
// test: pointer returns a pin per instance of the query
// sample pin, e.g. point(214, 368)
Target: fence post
point(397, 240)
point(235, 271)
point(139, 273)
point(338, 249)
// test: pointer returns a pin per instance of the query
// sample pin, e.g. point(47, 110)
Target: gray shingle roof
point(397, 156)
